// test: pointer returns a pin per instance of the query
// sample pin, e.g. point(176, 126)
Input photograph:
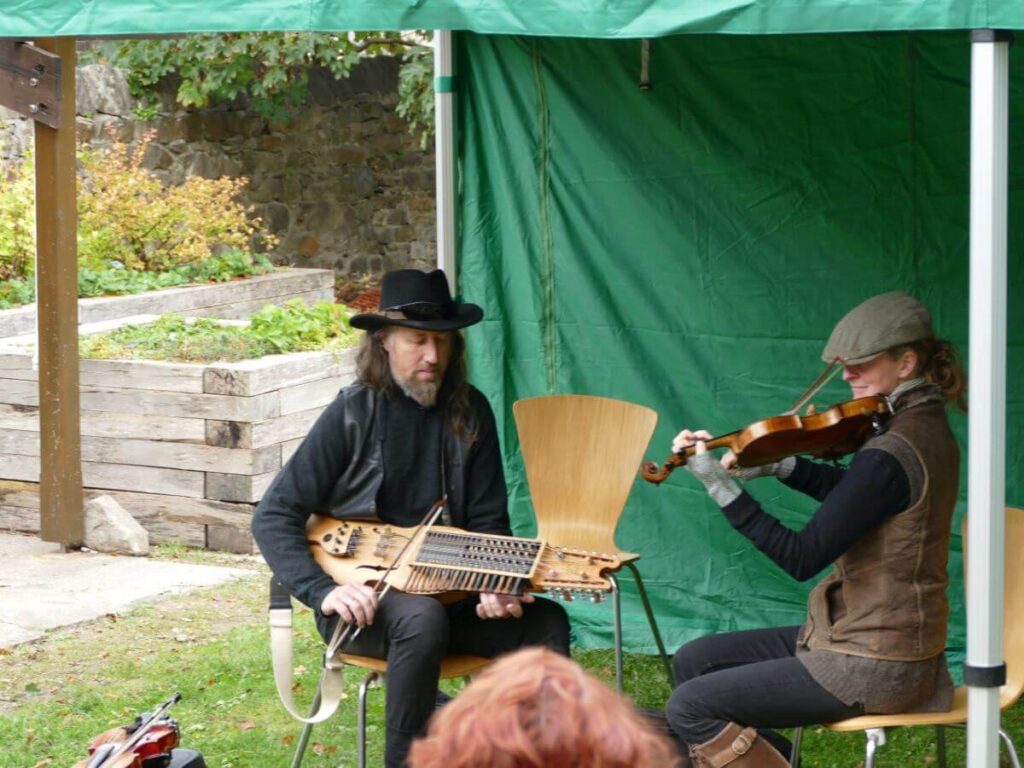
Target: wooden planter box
point(233, 299)
point(186, 448)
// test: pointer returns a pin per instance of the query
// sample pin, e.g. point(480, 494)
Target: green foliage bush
point(116, 280)
point(126, 215)
point(134, 234)
point(14, 293)
point(17, 225)
point(416, 92)
point(273, 330)
point(270, 68)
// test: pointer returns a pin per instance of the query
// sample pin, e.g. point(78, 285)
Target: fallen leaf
point(318, 748)
point(287, 741)
point(41, 763)
point(247, 725)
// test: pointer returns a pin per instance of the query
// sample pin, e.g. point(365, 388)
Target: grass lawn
point(211, 645)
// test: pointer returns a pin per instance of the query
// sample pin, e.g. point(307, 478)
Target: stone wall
point(343, 184)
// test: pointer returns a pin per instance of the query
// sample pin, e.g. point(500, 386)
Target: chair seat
point(958, 714)
point(451, 666)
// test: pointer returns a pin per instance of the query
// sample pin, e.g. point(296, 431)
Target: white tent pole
point(444, 155)
point(986, 440)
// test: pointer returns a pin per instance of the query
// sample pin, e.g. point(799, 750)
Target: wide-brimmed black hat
point(412, 298)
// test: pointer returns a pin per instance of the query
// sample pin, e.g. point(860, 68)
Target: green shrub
point(296, 327)
point(14, 293)
point(273, 330)
point(128, 220)
point(17, 225)
point(271, 69)
point(115, 280)
point(127, 216)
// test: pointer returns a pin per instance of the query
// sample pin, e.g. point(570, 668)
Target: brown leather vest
point(886, 598)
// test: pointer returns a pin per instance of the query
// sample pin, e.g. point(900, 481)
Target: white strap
point(281, 656)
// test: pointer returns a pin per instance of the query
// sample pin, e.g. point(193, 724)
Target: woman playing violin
point(875, 632)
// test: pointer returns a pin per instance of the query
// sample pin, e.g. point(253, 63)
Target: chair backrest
point(1013, 608)
point(1013, 605)
point(582, 454)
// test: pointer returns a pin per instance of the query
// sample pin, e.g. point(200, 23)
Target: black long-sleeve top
point(854, 499)
point(411, 454)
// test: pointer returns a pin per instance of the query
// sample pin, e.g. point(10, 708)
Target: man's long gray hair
point(374, 370)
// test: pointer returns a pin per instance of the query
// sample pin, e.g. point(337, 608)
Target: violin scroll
point(655, 474)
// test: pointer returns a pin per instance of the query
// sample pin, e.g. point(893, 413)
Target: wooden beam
point(30, 81)
point(61, 505)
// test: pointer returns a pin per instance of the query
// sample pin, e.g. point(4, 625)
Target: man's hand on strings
point(493, 606)
point(355, 603)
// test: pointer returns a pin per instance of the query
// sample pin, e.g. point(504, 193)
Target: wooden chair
point(582, 454)
point(1013, 648)
point(331, 677)
point(451, 667)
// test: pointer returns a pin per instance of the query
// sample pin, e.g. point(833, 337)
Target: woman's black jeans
point(752, 678)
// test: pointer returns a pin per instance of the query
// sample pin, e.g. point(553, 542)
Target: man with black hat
point(410, 430)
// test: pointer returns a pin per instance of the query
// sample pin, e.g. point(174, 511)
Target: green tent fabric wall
point(689, 248)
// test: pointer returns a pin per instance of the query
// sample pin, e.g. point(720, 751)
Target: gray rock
point(277, 217)
point(102, 89)
point(109, 528)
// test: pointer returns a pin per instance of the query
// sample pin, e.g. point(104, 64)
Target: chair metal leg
point(654, 624)
point(875, 738)
point(307, 729)
point(617, 629)
point(1010, 749)
point(363, 688)
point(940, 745)
point(794, 753)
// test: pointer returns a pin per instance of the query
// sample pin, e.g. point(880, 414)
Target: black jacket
point(338, 471)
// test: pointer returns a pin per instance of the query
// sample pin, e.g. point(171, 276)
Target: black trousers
point(414, 633)
point(752, 678)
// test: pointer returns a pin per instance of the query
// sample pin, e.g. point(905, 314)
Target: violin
point(146, 743)
point(831, 433)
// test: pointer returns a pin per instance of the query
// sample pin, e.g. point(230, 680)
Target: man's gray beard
point(423, 392)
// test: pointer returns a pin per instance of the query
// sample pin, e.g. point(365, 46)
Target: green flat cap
point(878, 324)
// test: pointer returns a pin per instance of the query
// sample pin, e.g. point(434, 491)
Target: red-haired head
point(537, 709)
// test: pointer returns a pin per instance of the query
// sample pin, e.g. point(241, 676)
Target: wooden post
point(61, 506)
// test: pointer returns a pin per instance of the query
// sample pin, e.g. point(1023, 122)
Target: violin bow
point(824, 378)
point(381, 588)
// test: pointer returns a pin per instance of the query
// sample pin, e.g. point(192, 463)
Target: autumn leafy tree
point(272, 68)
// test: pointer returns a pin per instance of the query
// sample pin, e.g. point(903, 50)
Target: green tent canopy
point(555, 18)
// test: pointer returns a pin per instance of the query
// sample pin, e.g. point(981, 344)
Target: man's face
point(418, 361)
